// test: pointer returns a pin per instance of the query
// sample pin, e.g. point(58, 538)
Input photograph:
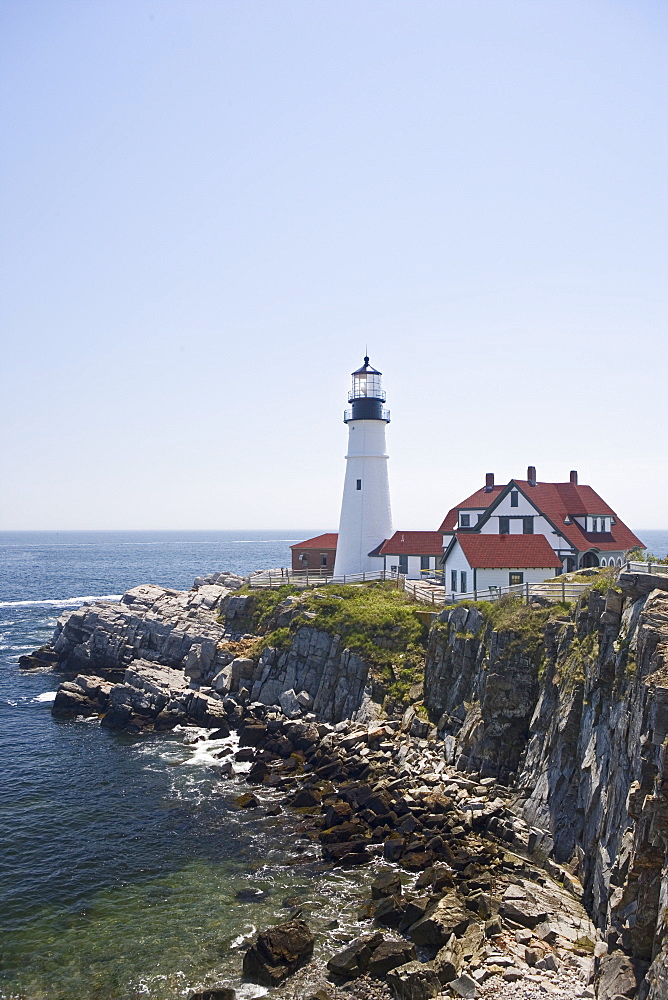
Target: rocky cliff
point(578, 722)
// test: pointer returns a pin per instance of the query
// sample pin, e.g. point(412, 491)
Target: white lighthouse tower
point(366, 517)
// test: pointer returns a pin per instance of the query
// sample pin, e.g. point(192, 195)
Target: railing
point(348, 415)
point(632, 566)
point(550, 590)
point(310, 577)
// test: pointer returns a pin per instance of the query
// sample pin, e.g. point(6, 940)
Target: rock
point(387, 883)
point(389, 955)
point(448, 961)
point(354, 960)
point(305, 700)
point(71, 700)
point(464, 986)
point(246, 801)
point(218, 993)
point(521, 907)
point(290, 704)
point(305, 798)
point(390, 911)
point(451, 916)
point(548, 964)
point(414, 981)
point(393, 848)
point(252, 734)
point(277, 952)
point(616, 977)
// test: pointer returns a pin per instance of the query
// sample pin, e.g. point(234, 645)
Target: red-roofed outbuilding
point(413, 553)
point(317, 553)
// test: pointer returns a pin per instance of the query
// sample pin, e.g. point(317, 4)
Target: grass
point(374, 620)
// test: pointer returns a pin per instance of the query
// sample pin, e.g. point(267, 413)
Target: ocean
point(125, 870)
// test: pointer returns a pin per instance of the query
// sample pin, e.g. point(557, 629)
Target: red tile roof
point(508, 551)
point(327, 541)
point(413, 543)
point(557, 501)
point(480, 500)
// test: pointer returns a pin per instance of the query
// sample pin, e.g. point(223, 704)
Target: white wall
point(486, 578)
point(458, 561)
point(414, 562)
point(366, 518)
point(541, 526)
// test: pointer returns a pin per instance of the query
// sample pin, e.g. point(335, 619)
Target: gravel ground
point(564, 985)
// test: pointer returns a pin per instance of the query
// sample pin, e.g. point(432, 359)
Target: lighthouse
point(366, 516)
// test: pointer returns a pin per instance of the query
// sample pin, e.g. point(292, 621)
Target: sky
point(211, 210)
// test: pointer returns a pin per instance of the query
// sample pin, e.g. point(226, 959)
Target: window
point(462, 582)
point(453, 580)
point(464, 520)
point(514, 498)
point(504, 525)
point(603, 562)
point(359, 484)
point(323, 558)
point(594, 524)
point(424, 562)
point(527, 525)
point(514, 579)
point(403, 564)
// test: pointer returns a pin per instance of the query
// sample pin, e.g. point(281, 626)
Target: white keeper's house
point(525, 531)
point(502, 535)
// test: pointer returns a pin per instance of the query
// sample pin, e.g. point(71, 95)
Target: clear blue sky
point(210, 208)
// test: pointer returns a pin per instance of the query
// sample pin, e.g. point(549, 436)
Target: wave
point(64, 602)
point(45, 696)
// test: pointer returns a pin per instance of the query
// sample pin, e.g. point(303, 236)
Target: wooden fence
point(633, 566)
point(554, 590)
point(309, 578)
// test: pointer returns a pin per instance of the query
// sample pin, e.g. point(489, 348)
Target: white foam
point(45, 696)
point(64, 602)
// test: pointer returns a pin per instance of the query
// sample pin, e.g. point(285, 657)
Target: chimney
point(489, 482)
point(574, 477)
point(531, 475)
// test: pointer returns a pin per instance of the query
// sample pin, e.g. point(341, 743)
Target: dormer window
point(597, 525)
point(464, 520)
point(514, 498)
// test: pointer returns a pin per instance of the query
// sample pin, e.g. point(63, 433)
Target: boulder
point(390, 955)
point(451, 916)
point(277, 952)
point(616, 977)
point(465, 987)
point(390, 911)
point(414, 981)
point(354, 960)
point(289, 704)
point(521, 907)
point(219, 993)
point(448, 961)
point(386, 883)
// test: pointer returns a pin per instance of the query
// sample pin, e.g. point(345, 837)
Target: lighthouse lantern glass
point(366, 384)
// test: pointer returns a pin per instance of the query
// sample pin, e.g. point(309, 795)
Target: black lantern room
point(367, 396)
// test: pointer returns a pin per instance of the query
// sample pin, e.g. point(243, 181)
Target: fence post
point(432, 597)
point(527, 592)
point(475, 595)
point(363, 576)
point(563, 592)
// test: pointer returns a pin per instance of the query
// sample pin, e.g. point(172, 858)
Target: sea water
point(125, 869)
